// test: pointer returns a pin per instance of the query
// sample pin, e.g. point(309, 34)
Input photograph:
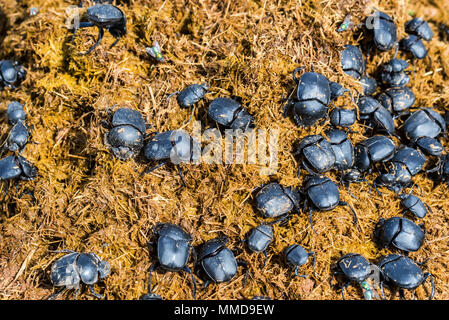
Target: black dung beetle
point(419, 28)
point(173, 251)
point(342, 117)
point(275, 200)
point(17, 137)
point(15, 112)
point(297, 256)
point(372, 150)
point(322, 194)
point(11, 74)
point(424, 123)
point(403, 273)
point(313, 97)
point(218, 261)
point(352, 61)
point(75, 268)
point(393, 73)
point(16, 167)
point(337, 90)
point(175, 145)
point(104, 16)
point(355, 268)
point(372, 112)
point(369, 85)
point(399, 171)
point(429, 146)
point(415, 205)
point(316, 154)
point(190, 95)
point(413, 45)
point(230, 114)
point(397, 100)
point(343, 149)
point(442, 170)
point(261, 236)
point(127, 134)
point(400, 233)
point(384, 30)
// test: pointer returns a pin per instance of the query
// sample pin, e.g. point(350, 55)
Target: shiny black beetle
point(16, 167)
point(413, 45)
point(342, 117)
point(297, 256)
point(352, 61)
point(11, 74)
point(75, 268)
point(17, 137)
point(230, 114)
point(369, 85)
point(393, 73)
point(384, 30)
point(419, 28)
point(403, 273)
point(275, 200)
point(173, 251)
point(261, 236)
point(399, 171)
point(343, 149)
point(397, 100)
point(190, 95)
point(414, 205)
point(127, 134)
point(400, 233)
point(441, 170)
point(374, 114)
point(218, 261)
point(322, 194)
point(104, 16)
point(174, 145)
point(373, 150)
point(355, 268)
point(429, 146)
point(316, 154)
point(424, 123)
point(15, 112)
point(313, 96)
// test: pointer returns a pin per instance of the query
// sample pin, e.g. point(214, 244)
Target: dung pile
point(87, 200)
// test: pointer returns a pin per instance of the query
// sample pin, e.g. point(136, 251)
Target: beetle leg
point(401, 294)
point(343, 287)
point(6, 191)
point(243, 263)
point(181, 175)
point(57, 294)
point(153, 168)
point(295, 72)
point(206, 284)
point(77, 291)
point(265, 260)
point(427, 275)
point(311, 253)
point(301, 276)
point(100, 36)
point(342, 203)
point(152, 268)
point(187, 269)
point(115, 42)
point(97, 295)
